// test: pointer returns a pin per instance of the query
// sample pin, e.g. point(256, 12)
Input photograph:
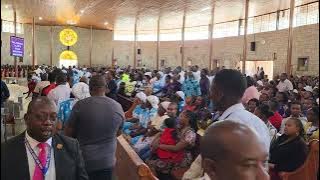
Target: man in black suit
point(39, 153)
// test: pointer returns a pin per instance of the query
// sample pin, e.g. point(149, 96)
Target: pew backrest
point(125, 102)
point(129, 165)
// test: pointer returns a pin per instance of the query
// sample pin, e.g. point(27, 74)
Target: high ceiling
point(121, 14)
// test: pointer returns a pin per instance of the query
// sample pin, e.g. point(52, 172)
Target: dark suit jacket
point(69, 163)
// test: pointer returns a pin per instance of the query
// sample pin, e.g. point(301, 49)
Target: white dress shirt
point(51, 173)
point(197, 75)
point(284, 86)
point(236, 113)
point(181, 80)
point(59, 94)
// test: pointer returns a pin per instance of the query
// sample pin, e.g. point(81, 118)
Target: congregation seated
point(168, 111)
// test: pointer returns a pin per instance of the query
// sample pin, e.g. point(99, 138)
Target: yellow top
point(308, 128)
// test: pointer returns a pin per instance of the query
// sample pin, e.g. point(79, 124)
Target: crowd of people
point(175, 110)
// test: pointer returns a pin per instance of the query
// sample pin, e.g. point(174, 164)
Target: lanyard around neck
point(44, 169)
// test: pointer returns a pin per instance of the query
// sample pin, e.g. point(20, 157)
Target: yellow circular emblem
point(68, 37)
point(68, 55)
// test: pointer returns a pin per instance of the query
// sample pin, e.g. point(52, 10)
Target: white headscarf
point(181, 94)
point(148, 74)
point(142, 96)
point(161, 73)
point(153, 100)
point(165, 105)
point(81, 90)
point(308, 88)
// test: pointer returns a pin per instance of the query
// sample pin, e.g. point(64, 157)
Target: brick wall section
point(123, 52)
point(227, 50)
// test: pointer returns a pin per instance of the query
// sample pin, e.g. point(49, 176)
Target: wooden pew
point(310, 168)
point(125, 102)
point(129, 165)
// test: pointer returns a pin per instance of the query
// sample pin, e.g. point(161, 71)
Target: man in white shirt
point(236, 146)
point(227, 90)
point(40, 85)
point(181, 74)
point(38, 71)
point(61, 92)
point(284, 84)
point(196, 73)
point(39, 153)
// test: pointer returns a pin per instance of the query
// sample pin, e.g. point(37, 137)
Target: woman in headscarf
point(142, 143)
point(150, 111)
point(81, 89)
point(135, 111)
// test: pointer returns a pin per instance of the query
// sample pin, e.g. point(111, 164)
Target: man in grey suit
point(39, 153)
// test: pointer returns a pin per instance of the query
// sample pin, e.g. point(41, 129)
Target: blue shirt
point(181, 106)
point(64, 110)
point(191, 87)
point(157, 86)
point(137, 111)
point(146, 116)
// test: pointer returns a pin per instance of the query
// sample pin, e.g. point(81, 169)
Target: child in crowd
point(252, 104)
point(169, 137)
point(295, 112)
point(190, 103)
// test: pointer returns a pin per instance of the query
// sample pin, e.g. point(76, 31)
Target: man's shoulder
point(11, 143)
point(69, 142)
point(94, 99)
point(247, 117)
point(65, 138)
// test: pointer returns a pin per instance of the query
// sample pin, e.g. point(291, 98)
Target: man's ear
point(209, 167)
point(27, 118)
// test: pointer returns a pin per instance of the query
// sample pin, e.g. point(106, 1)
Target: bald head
point(228, 147)
point(39, 102)
point(222, 136)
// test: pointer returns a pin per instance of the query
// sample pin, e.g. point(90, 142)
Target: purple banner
point(16, 46)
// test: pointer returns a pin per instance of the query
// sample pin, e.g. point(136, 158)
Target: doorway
point(251, 67)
